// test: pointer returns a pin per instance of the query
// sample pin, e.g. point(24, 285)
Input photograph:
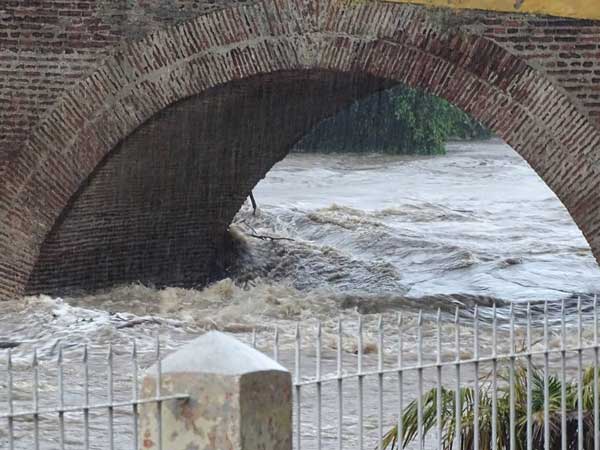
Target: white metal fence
point(522, 377)
point(37, 422)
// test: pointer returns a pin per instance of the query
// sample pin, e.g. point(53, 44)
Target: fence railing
point(521, 377)
point(31, 412)
point(478, 382)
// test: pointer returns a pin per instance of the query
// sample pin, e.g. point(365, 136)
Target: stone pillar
point(239, 399)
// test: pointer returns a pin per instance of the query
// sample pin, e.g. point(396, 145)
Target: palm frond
point(391, 440)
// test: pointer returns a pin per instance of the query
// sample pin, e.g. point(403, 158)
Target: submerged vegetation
point(410, 418)
point(399, 120)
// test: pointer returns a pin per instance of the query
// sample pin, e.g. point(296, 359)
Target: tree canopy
point(400, 120)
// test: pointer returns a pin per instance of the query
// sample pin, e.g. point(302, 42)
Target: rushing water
point(477, 221)
point(370, 233)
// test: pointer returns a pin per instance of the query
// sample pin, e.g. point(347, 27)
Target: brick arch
point(157, 208)
point(384, 41)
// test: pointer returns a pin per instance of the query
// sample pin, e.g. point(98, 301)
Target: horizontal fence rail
point(522, 377)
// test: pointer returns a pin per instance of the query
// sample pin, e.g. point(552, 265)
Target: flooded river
point(334, 235)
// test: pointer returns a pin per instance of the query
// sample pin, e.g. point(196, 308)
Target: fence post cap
point(238, 399)
point(219, 353)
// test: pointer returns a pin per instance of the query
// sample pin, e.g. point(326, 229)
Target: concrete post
point(240, 399)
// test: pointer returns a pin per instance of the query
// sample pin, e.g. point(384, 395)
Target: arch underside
point(143, 187)
point(158, 207)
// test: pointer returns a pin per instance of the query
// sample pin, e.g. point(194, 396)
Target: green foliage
point(410, 422)
point(400, 120)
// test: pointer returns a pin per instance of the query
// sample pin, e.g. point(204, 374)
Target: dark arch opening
point(157, 208)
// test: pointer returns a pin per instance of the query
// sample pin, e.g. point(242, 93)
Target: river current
point(335, 235)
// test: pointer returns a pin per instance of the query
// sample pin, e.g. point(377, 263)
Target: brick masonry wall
point(79, 77)
point(158, 207)
point(46, 46)
point(566, 51)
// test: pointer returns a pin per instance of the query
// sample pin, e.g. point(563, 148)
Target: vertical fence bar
point(276, 344)
point(579, 377)
point(253, 337)
point(298, 388)
point(438, 399)
point(457, 400)
point(546, 381)
point(511, 381)
point(400, 425)
point(420, 433)
point(11, 424)
point(360, 383)
point(36, 399)
point(340, 386)
point(159, 404)
point(529, 383)
point(596, 363)
point(135, 388)
point(61, 397)
point(494, 445)
point(563, 377)
point(86, 399)
point(318, 384)
point(380, 381)
point(111, 388)
point(340, 390)
point(476, 379)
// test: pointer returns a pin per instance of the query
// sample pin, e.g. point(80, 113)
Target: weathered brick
point(130, 132)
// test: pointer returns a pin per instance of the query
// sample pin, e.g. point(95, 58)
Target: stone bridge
point(132, 132)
